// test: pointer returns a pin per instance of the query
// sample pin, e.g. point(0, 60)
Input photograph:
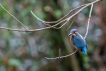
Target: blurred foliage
point(21, 51)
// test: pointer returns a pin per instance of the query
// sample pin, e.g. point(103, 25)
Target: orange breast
point(72, 42)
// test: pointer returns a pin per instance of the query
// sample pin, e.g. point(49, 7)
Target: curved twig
point(63, 56)
point(62, 20)
point(13, 16)
point(71, 24)
point(48, 22)
point(20, 30)
point(88, 21)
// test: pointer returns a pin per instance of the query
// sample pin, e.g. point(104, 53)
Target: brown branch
point(88, 21)
point(63, 56)
point(13, 16)
point(70, 24)
point(48, 22)
point(20, 30)
point(67, 19)
point(62, 20)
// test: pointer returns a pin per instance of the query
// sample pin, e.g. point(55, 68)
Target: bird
point(78, 41)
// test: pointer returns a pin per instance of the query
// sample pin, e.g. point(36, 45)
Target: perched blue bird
point(78, 41)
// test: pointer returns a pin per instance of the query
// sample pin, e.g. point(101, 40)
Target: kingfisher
point(78, 41)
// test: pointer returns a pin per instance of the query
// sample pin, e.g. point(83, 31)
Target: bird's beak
point(70, 34)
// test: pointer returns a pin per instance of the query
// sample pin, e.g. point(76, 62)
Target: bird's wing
point(79, 42)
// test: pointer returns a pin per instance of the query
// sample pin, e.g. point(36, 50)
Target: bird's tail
point(84, 50)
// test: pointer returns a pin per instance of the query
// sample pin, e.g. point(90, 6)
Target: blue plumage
point(78, 41)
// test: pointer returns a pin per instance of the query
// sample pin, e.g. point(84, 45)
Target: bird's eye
point(74, 31)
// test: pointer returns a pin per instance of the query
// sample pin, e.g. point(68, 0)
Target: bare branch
point(41, 20)
point(67, 19)
point(62, 56)
point(88, 21)
point(57, 20)
point(13, 16)
point(47, 23)
point(10, 29)
point(20, 30)
point(71, 24)
point(63, 20)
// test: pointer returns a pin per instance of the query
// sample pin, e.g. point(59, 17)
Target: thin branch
point(62, 56)
point(20, 30)
point(88, 21)
point(67, 19)
point(46, 22)
point(13, 16)
point(62, 20)
point(64, 24)
point(71, 24)
point(59, 19)
point(79, 12)
point(10, 29)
